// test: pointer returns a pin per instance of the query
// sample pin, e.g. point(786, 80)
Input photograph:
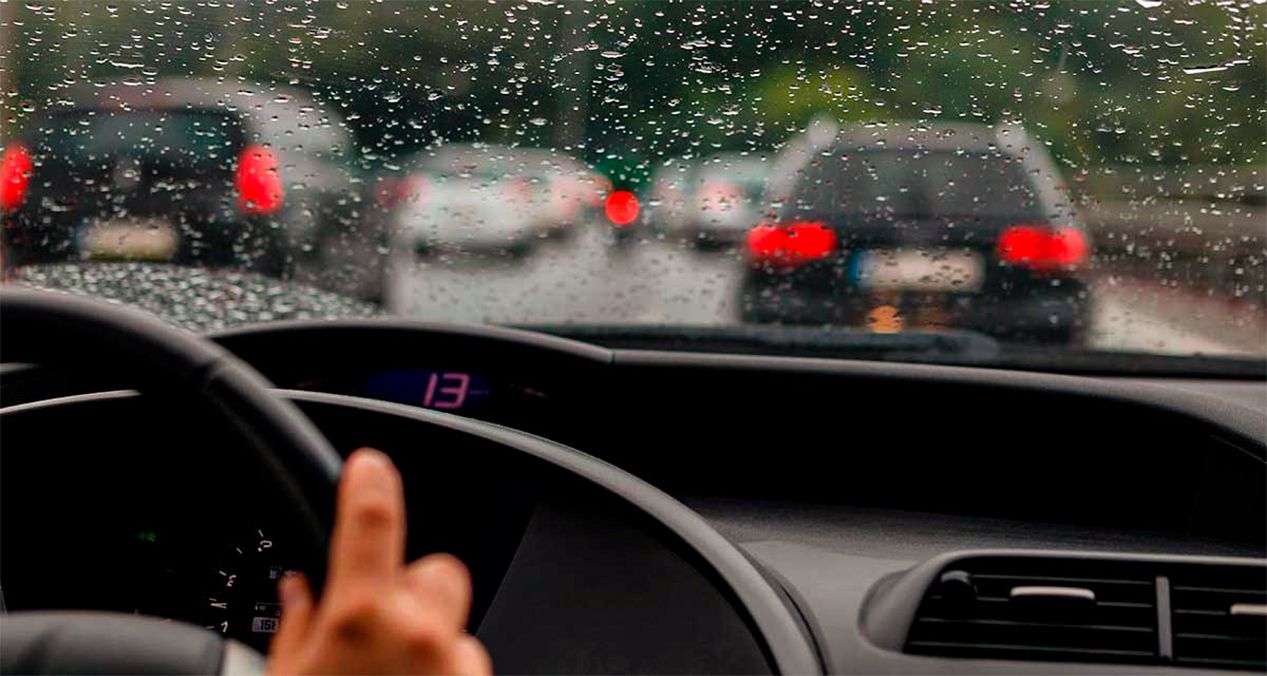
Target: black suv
point(193, 171)
point(921, 226)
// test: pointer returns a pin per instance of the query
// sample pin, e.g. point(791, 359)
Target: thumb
point(297, 611)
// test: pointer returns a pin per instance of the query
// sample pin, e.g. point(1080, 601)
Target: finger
point(368, 544)
point(296, 601)
point(440, 582)
point(470, 658)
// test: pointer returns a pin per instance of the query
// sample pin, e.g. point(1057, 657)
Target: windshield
point(84, 137)
point(1065, 185)
point(893, 182)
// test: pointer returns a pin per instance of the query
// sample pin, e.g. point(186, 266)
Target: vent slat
point(1217, 662)
point(1044, 624)
point(1219, 637)
point(1220, 590)
point(1063, 580)
point(1027, 650)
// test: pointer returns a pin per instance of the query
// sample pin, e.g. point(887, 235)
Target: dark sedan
point(940, 226)
point(237, 175)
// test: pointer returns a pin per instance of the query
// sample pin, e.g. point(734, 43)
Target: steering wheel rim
point(46, 327)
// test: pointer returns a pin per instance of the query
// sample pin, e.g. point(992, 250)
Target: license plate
point(131, 239)
point(920, 270)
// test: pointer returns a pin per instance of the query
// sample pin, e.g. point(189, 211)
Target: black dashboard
point(837, 477)
point(972, 442)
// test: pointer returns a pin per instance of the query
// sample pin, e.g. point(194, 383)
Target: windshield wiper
point(944, 347)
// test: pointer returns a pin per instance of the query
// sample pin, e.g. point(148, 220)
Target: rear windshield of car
point(185, 137)
point(747, 176)
point(910, 183)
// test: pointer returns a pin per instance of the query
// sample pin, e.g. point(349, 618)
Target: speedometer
point(240, 593)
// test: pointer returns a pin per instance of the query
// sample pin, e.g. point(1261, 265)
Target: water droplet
point(1148, 4)
point(1198, 70)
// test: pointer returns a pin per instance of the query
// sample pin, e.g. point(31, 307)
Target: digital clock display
point(429, 388)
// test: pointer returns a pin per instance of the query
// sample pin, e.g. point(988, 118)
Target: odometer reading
point(241, 599)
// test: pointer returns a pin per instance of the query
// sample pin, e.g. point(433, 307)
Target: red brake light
point(1042, 248)
point(386, 191)
point(15, 176)
point(413, 187)
point(790, 244)
point(601, 187)
point(393, 191)
point(621, 207)
point(516, 189)
point(258, 181)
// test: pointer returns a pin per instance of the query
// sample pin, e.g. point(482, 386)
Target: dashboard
point(837, 477)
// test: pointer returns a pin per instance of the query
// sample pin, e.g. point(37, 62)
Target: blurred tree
point(1101, 83)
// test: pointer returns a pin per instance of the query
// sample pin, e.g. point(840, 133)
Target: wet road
point(590, 279)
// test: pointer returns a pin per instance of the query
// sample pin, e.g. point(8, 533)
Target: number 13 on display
point(446, 390)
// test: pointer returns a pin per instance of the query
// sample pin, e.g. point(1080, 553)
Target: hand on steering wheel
point(377, 615)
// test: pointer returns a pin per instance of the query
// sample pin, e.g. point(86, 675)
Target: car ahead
point(710, 203)
point(565, 192)
point(483, 198)
point(235, 174)
point(921, 226)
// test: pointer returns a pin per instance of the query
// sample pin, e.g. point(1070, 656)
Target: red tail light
point(15, 176)
point(392, 191)
point(386, 192)
point(1042, 248)
point(516, 190)
point(413, 187)
point(602, 186)
point(790, 244)
point(718, 196)
point(621, 207)
point(259, 181)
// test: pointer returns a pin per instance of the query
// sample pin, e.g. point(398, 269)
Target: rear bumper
point(1032, 312)
point(707, 231)
point(253, 242)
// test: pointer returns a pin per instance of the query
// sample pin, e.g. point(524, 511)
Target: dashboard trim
point(790, 647)
point(520, 337)
point(1241, 421)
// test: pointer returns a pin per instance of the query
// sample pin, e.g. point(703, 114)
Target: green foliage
point(630, 84)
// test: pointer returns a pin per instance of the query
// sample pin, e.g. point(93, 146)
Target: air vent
point(1095, 610)
point(1048, 609)
point(1220, 616)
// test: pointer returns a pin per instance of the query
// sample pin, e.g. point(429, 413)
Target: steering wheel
point(296, 460)
point(302, 468)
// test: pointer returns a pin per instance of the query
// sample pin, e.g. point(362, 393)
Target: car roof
point(931, 136)
point(489, 155)
point(270, 111)
point(170, 93)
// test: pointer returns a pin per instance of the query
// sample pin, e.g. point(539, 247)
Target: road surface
point(590, 279)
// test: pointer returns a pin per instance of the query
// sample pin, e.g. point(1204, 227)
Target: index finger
point(368, 543)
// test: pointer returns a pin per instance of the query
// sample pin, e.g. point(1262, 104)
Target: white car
point(489, 198)
point(466, 198)
point(712, 202)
